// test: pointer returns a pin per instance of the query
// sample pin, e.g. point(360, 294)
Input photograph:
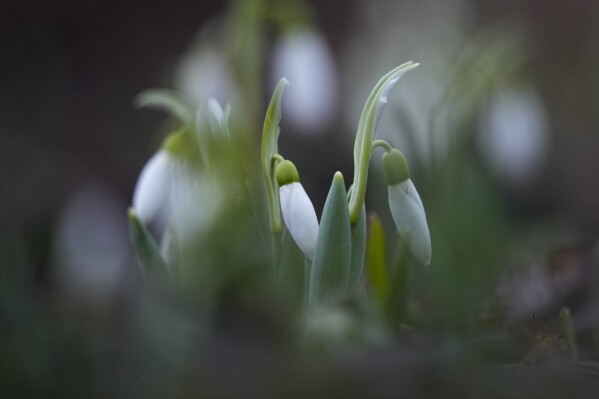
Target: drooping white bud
point(153, 185)
point(300, 216)
point(410, 219)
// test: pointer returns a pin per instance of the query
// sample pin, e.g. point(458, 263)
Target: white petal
point(195, 203)
point(153, 185)
point(409, 217)
point(300, 217)
point(216, 110)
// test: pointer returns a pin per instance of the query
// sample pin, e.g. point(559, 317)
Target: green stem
point(381, 143)
point(365, 137)
point(277, 244)
point(277, 157)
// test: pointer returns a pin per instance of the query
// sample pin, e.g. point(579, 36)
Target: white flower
point(305, 59)
point(203, 72)
point(212, 120)
point(196, 202)
point(300, 216)
point(514, 135)
point(409, 217)
point(153, 186)
point(176, 197)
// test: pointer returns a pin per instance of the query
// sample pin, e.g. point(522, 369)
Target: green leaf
point(365, 136)
point(292, 273)
point(270, 147)
point(170, 101)
point(148, 252)
point(358, 252)
point(330, 269)
point(378, 273)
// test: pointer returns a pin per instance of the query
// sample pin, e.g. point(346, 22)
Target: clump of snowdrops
point(190, 188)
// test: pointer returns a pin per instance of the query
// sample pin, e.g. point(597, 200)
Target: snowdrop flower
point(171, 191)
point(213, 120)
point(90, 243)
point(152, 190)
point(305, 59)
point(196, 201)
point(514, 135)
point(203, 72)
point(297, 209)
point(406, 206)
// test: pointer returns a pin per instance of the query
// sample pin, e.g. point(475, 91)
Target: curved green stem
point(365, 136)
point(381, 143)
point(277, 157)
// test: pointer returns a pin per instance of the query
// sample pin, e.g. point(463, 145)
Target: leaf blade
point(358, 252)
point(330, 269)
point(170, 101)
point(148, 252)
point(270, 147)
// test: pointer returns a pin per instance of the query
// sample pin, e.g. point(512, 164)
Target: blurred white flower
point(305, 59)
point(90, 248)
point(176, 197)
point(300, 216)
point(194, 205)
point(171, 192)
point(211, 119)
point(514, 134)
point(410, 219)
point(203, 73)
point(153, 187)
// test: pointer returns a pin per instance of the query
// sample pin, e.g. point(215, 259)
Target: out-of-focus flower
point(305, 59)
point(196, 200)
point(406, 206)
point(90, 247)
point(172, 189)
point(204, 73)
point(514, 135)
point(212, 120)
point(297, 209)
point(153, 187)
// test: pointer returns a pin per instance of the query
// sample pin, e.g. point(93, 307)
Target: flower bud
point(410, 219)
point(299, 216)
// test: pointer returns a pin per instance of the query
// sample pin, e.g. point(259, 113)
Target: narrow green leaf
point(378, 272)
point(358, 252)
point(330, 268)
point(270, 147)
point(148, 252)
point(292, 273)
point(170, 101)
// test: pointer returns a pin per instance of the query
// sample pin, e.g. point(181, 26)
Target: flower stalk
point(371, 114)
